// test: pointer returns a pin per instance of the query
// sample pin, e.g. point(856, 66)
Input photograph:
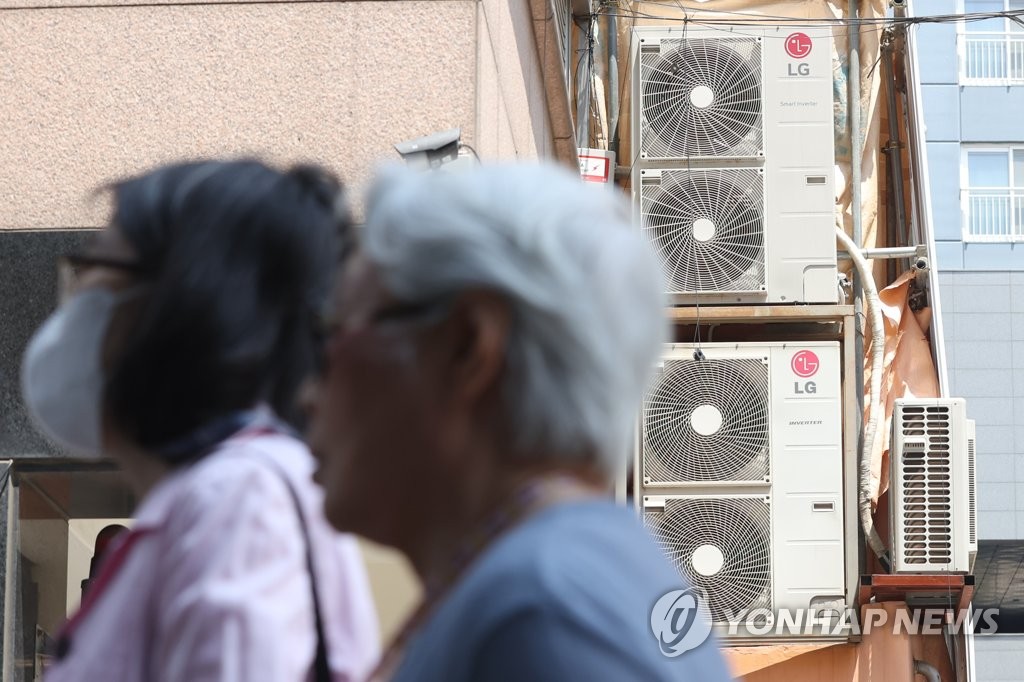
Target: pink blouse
point(211, 583)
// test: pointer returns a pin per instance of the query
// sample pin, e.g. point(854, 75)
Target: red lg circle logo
point(805, 364)
point(798, 45)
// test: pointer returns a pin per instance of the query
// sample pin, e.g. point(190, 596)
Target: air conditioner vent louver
point(927, 486)
point(702, 98)
point(708, 225)
point(972, 518)
point(932, 497)
point(722, 545)
point(708, 420)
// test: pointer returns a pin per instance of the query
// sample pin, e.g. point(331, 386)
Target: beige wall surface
point(396, 589)
point(44, 542)
point(92, 94)
point(513, 116)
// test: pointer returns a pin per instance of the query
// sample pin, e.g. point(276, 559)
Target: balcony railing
point(992, 59)
point(994, 215)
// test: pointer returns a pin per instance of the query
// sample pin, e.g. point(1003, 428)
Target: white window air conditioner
point(932, 486)
point(740, 478)
point(733, 139)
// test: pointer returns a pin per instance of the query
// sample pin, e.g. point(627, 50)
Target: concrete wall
point(991, 113)
point(944, 176)
point(999, 658)
point(513, 116)
point(983, 317)
point(938, 61)
point(94, 93)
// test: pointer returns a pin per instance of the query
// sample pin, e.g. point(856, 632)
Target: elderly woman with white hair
point(485, 358)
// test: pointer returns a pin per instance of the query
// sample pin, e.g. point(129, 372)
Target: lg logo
point(805, 364)
point(798, 46)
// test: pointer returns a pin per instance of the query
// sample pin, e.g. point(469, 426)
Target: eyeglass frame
point(69, 265)
point(327, 326)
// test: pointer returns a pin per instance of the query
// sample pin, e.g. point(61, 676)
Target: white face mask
point(61, 374)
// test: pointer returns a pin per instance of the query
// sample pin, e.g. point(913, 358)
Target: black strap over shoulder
point(321, 667)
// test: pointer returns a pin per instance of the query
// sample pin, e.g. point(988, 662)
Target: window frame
point(1007, 37)
point(1015, 194)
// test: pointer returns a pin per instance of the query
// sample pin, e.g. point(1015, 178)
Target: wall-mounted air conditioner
point(932, 486)
point(740, 477)
point(732, 131)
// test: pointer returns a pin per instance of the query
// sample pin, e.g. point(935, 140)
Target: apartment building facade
point(972, 79)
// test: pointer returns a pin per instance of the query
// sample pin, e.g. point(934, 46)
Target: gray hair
point(585, 287)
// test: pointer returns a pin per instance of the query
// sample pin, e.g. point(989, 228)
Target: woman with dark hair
point(178, 354)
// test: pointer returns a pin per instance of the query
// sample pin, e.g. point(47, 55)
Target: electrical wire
point(622, 85)
point(734, 17)
point(698, 352)
point(586, 53)
point(463, 145)
point(713, 18)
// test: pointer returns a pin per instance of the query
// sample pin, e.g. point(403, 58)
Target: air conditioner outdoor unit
point(732, 131)
point(932, 498)
point(740, 477)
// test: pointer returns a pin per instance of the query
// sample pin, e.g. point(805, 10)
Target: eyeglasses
point(420, 313)
point(71, 266)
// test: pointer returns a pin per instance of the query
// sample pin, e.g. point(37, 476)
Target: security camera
point(431, 151)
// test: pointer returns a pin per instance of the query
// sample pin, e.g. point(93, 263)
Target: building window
point(992, 50)
point(994, 196)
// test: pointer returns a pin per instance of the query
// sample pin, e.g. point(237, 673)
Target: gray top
point(567, 595)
